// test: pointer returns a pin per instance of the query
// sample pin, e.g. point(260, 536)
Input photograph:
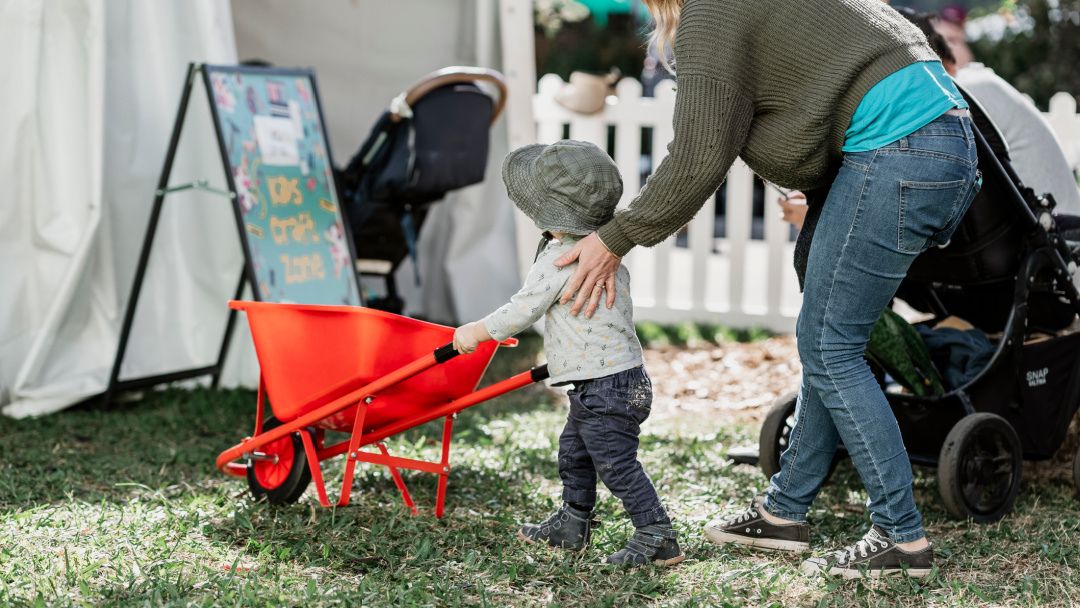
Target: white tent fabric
point(93, 91)
point(364, 54)
point(93, 88)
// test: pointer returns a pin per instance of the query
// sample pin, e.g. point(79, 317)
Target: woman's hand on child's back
point(594, 275)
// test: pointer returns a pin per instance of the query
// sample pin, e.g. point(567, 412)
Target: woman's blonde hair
point(666, 15)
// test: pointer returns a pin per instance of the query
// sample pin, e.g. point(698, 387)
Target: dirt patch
point(735, 379)
point(739, 381)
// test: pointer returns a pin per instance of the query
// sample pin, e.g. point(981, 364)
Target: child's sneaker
point(567, 528)
point(874, 556)
point(654, 544)
point(751, 529)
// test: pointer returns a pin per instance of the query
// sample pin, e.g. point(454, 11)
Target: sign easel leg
point(229, 326)
point(148, 240)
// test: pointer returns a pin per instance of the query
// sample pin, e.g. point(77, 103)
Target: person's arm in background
point(793, 208)
point(711, 121)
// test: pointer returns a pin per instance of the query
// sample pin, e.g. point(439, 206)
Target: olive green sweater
point(773, 81)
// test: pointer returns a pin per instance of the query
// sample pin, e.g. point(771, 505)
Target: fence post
point(740, 199)
point(1066, 124)
point(519, 61)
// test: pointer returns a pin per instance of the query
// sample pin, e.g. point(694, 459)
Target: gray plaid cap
point(569, 186)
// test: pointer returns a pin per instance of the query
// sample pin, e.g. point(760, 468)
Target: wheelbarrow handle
point(447, 352)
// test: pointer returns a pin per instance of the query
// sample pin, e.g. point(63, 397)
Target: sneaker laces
point(744, 516)
point(871, 543)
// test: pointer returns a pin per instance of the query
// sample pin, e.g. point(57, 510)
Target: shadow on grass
point(471, 557)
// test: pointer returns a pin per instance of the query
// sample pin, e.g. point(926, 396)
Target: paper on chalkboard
point(277, 139)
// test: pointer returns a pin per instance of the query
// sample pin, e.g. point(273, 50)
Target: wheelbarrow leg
point(260, 406)
point(354, 445)
point(316, 468)
point(350, 460)
point(398, 481)
point(440, 495)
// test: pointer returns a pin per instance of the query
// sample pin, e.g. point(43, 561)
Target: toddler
point(570, 189)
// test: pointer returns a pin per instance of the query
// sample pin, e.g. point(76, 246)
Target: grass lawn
point(125, 508)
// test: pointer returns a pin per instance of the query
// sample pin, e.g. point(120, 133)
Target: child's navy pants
point(601, 438)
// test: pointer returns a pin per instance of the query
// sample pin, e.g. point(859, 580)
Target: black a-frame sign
point(279, 172)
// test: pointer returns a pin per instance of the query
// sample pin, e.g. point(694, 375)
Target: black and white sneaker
point(751, 529)
point(874, 556)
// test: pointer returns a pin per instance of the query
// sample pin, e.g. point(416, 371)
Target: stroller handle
point(455, 74)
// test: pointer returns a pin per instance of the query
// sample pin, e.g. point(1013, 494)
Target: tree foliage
point(1040, 59)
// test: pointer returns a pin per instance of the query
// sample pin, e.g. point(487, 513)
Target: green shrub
point(652, 335)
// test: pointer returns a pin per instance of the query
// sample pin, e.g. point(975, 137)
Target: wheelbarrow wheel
point(283, 475)
point(775, 433)
point(980, 468)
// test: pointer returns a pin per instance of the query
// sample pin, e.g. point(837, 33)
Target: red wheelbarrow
point(360, 371)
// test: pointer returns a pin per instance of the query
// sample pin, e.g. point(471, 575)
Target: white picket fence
point(736, 280)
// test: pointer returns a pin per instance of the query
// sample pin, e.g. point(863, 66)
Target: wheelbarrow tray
point(305, 350)
point(364, 372)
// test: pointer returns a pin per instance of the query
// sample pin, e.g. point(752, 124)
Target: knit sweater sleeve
point(711, 122)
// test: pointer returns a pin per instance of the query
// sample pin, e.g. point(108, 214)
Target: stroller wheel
point(775, 432)
point(280, 481)
point(980, 468)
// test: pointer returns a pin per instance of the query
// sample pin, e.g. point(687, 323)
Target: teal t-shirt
point(902, 103)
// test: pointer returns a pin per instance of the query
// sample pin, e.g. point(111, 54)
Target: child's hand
point(465, 340)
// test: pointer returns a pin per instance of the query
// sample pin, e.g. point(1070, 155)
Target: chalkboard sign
point(271, 131)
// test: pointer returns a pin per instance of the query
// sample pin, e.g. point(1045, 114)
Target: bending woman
point(844, 94)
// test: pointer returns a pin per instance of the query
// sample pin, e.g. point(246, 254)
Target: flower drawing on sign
point(339, 251)
point(223, 95)
point(245, 187)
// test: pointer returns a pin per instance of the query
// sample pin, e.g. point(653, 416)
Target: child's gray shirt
point(577, 348)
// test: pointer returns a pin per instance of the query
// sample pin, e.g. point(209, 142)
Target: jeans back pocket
point(929, 211)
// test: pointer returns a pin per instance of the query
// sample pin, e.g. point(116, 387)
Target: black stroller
point(431, 140)
point(1007, 271)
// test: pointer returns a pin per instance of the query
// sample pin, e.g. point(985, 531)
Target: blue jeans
point(601, 437)
point(885, 207)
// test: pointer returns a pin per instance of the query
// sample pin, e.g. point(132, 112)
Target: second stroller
point(433, 139)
